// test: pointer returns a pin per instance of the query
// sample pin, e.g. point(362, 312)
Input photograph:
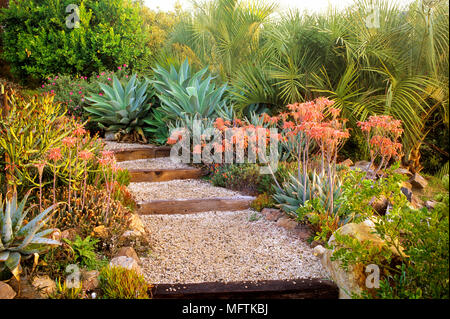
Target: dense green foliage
point(37, 43)
point(420, 238)
point(397, 65)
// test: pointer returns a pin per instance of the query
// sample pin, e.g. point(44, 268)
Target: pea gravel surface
point(153, 163)
point(115, 146)
point(225, 247)
point(179, 189)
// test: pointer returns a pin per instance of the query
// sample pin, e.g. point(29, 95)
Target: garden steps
point(208, 238)
point(133, 151)
point(159, 170)
point(185, 197)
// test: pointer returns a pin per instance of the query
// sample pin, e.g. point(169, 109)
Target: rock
point(90, 279)
point(69, 234)
point(45, 285)
point(406, 190)
point(363, 165)
point(403, 171)
point(417, 181)
point(380, 205)
point(100, 232)
point(272, 214)
point(315, 243)
point(6, 292)
point(128, 252)
point(430, 204)
point(416, 202)
point(25, 290)
point(353, 280)
point(348, 162)
point(136, 224)
point(110, 136)
point(129, 235)
point(287, 223)
point(125, 262)
point(303, 232)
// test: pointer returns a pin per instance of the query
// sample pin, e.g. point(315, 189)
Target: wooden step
point(267, 289)
point(162, 175)
point(187, 206)
point(142, 153)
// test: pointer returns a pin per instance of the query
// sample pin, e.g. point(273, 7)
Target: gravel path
point(178, 189)
point(115, 146)
point(224, 246)
point(153, 163)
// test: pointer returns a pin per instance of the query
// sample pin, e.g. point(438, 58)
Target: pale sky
point(309, 5)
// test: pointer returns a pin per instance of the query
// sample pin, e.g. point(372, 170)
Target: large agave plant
point(19, 240)
point(184, 95)
point(290, 198)
point(122, 109)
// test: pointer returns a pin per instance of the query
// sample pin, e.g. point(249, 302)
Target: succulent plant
point(19, 239)
point(290, 198)
point(184, 95)
point(122, 109)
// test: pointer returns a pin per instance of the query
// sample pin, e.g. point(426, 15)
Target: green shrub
point(37, 43)
point(84, 250)
point(30, 131)
point(246, 177)
point(122, 283)
point(156, 126)
point(262, 201)
point(71, 91)
point(422, 270)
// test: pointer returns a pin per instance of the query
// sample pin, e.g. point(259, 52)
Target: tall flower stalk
point(85, 156)
point(40, 167)
point(70, 142)
point(54, 155)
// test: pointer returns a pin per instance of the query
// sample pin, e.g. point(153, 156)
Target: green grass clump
point(122, 283)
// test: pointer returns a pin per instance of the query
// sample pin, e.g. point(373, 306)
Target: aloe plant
point(19, 239)
point(184, 95)
point(122, 109)
point(291, 196)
